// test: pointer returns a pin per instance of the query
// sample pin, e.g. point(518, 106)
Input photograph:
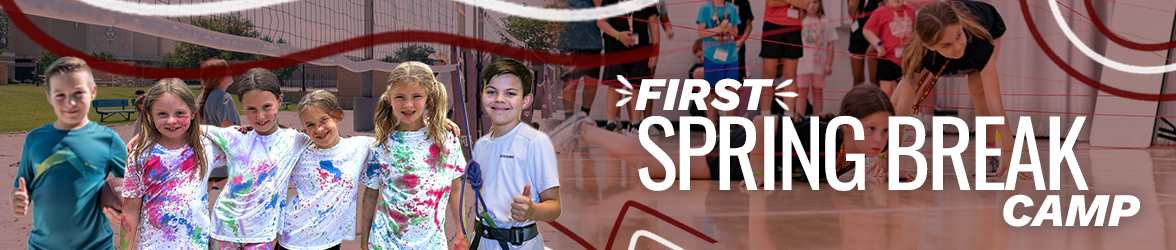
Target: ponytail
point(217, 69)
point(930, 22)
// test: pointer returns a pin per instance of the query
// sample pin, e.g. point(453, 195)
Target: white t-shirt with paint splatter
point(174, 193)
point(249, 208)
point(414, 177)
point(322, 214)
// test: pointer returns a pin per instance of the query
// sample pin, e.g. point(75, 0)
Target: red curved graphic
point(1078, 75)
point(1107, 32)
point(36, 34)
point(621, 217)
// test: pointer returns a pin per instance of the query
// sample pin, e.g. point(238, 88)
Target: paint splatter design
point(249, 209)
point(322, 214)
point(414, 178)
point(174, 214)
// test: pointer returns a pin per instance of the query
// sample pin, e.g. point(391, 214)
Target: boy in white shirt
point(515, 159)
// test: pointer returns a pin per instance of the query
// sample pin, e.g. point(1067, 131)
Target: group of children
point(413, 170)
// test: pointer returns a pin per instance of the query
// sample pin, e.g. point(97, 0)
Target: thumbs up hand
point(520, 209)
point(20, 199)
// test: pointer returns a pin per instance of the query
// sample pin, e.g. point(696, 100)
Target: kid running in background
point(322, 214)
point(887, 31)
point(818, 36)
point(63, 165)
point(515, 159)
point(166, 194)
point(717, 21)
point(413, 165)
point(247, 214)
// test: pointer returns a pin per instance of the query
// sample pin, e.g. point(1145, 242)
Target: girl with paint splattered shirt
point(247, 214)
point(322, 214)
point(413, 166)
point(165, 187)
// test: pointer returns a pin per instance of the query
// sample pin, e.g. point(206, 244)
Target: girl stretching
point(958, 37)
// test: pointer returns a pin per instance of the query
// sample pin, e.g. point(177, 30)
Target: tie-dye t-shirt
point(322, 214)
point(249, 208)
point(175, 196)
point(414, 177)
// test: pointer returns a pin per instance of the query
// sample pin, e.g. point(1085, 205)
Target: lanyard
point(719, 21)
point(630, 15)
point(927, 91)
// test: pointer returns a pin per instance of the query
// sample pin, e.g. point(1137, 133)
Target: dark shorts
point(772, 45)
point(219, 173)
point(858, 46)
point(634, 72)
point(888, 71)
point(583, 71)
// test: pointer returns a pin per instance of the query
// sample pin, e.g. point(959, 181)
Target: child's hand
point(879, 168)
point(652, 62)
point(521, 210)
point(626, 38)
point(881, 52)
point(453, 128)
point(20, 199)
point(828, 69)
point(245, 129)
point(112, 214)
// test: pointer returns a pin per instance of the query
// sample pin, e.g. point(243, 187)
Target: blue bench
point(121, 104)
point(285, 103)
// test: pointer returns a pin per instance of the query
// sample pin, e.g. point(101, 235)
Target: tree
point(412, 52)
point(47, 58)
point(187, 55)
point(44, 60)
point(105, 55)
point(3, 33)
point(536, 34)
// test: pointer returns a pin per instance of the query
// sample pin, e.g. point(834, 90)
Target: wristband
point(758, 174)
point(881, 156)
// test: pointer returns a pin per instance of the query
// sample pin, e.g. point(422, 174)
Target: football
point(111, 194)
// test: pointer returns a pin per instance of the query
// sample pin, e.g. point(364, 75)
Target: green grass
point(26, 108)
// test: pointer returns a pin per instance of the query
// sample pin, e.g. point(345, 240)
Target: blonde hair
point(150, 135)
point(323, 101)
point(419, 74)
point(930, 23)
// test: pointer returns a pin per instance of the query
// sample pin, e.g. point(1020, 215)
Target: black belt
point(515, 236)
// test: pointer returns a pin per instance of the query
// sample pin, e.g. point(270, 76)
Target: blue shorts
point(714, 72)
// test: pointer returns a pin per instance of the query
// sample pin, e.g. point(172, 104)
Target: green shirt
point(64, 171)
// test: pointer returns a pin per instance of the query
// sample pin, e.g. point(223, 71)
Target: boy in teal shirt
point(63, 166)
